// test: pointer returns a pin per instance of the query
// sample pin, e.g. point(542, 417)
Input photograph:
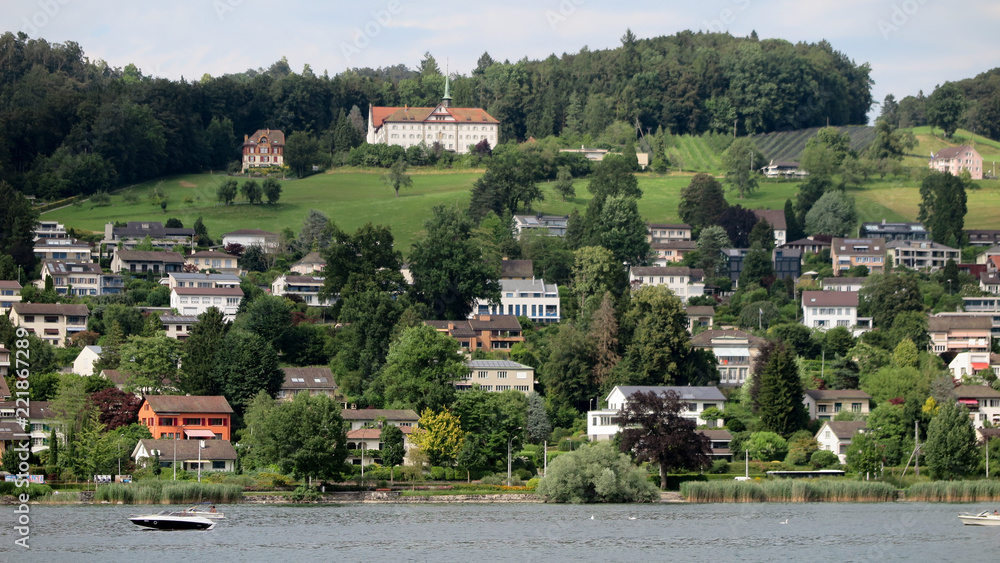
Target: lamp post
point(201, 444)
point(510, 442)
point(174, 464)
point(362, 463)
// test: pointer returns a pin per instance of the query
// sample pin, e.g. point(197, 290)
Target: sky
point(911, 45)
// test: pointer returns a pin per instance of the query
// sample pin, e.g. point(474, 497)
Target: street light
point(201, 444)
point(362, 463)
point(510, 442)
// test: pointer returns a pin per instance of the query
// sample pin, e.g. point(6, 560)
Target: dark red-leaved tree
point(655, 431)
point(235, 249)
point(117, 407)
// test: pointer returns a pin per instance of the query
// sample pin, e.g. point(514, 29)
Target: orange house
point(176, 417)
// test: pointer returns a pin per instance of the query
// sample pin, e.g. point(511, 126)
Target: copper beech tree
point(654, 430)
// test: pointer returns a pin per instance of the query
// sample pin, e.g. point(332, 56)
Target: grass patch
point(157, 492)
point(954, 491)
point(789, 490)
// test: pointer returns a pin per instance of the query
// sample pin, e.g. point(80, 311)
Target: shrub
point(719, 466)
point(437, 473)
point(821, 459)
point(495, 479)
point(596, 473)
point(305, 493)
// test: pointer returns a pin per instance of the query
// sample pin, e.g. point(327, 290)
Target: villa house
point(311, 263)
point(602, 424)
point(453, 129)
point(719, 441)
point(551, 225)
point(734, 351)
point(263, 149)
point(40, 422)
point(80, 278)
point(54, 323)
point(824, 404)
point(206, 260)
point(212, 454)
point(85, 360)
point(954, 160)
point(193, 301)
point(311, 380)
point(178, 327)
point(843, 283)
point(776, 218)
point(374, 418)
point(202, 280)
point(684, 282)
point(498, 375)
point(990, 282)
point(63, 249)
point(667, 232)
point(968, 364)
point(532, 298)
point(846, 253)
point(836, 435)
point(483, 332)
point(824, 310)
point(671, 251)
point(135, 232)
point(983, 403)
point(924, 255)
point(699, 316)
point(251, 237)
point(142, 261)
point(809, 245)
point(306, 288)
point(50, 229)
point(186, 417)
point(959, 333)
point(10, 293)
point(368, 443)
point(894, 231)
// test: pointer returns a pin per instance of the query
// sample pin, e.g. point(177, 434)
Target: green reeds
point(156, 492)
point(789, 490)
point(955, 491)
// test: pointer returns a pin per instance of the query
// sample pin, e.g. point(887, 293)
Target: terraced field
point(788, 145)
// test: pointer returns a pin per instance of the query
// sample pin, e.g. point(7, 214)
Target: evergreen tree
point(564, 183)
point(392, 451)
point(537, 422)
point(199, 351)
point(631, 158)
point(794, 229)
point(780, 396)
point(702, 201)
point(943, 205)
point(709, 246)
point(950, 450)
point(762, 236)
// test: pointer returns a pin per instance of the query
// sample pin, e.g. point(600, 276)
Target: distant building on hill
point(265, 148)
point(454, 129)
point(954, 160)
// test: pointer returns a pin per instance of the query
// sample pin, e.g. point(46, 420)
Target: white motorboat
point(984, 518)
point(200, 510)
point(172, 520)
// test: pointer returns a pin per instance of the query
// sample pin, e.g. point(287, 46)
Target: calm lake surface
point(515, 532)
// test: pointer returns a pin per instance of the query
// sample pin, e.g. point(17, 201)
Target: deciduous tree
point(397, 177)
point(596, 473)
point(439, 434)
point(653, 429)
point(741, 161)
point(702, 201)
point(420, 371)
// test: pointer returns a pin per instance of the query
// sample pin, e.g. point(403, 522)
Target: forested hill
point(76, 126)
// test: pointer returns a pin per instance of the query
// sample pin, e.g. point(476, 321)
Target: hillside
point(788, 145)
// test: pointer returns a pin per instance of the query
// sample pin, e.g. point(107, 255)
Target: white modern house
point(602, 424)
point(535, 299)
point(967, 364)
point(85, 360)
point(306, 288)
point(251, 237)
point(192, 279)
point(843, 283)
point(824, 310)
point(983, 403)
point(684, 282)
point(836, 435)
point(825, 404)
point(498, 375)
point(193, 301)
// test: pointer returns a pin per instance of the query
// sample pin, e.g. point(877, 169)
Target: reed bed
point(954, 491)
point(788, 490)
point(157, 492)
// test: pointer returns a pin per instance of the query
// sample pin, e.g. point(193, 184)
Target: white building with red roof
point(455, 129)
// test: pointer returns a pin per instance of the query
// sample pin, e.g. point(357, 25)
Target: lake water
point(515, 532)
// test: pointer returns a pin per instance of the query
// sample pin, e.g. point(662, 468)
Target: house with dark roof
point(846, 253)
point(517, 269)
point(482, 332)
point(497, 376)
point(135, 232)
point(311, 263)
point(41, 421)
point(955, 160)
point(836, 435)
point(719, 441)
point(959, 333)
point(824, 310)
point(990, 282)
point(306, 288)
point(80, 278)
point(776, 218)
point(453, 129)
point(982, 402)
point(699, 316)
point(734, 351)
point(684, 282)
point(63, 249)
point(315, 380)
point(602, 424)
point(665, 253)
point(142, 261)
point(891, 231)
point(983, 237)
point(667, 232)
point(924, 255)
point(186, 417)
point(532, 298)
point(52, 322)
point(364, 445)
point(787, 262)
point(824, 404)
point(549, 225)
point(190, 454)
point(264, 149)
point(209, 260)
point(807, 244)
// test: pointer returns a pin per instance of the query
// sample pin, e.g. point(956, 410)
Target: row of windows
point(210, 300)
point(262, 159)
point(837, 407)
point(171, 421)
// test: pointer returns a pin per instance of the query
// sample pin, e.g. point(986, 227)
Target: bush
point(437, 473)
point(495, 479)
point(821, 459)
point(305, 493)
point(596, 473)
point(719, 466)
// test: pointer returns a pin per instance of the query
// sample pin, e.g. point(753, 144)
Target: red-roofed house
point(455, 129)
point(954, 160)
point(186, 417)
point(266, 147)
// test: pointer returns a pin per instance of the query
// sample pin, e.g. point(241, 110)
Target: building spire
point(446, 101)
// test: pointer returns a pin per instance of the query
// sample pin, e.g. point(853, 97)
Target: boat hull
point(169, 522)
point(979, 520)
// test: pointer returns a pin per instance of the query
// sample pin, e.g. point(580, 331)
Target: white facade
point(534, 299)
point(498, 376)
point(602, 424)
point(193, 301)
point(684, 282)
point(184, 279)
point(84, 362)
point(836, 436)
point(306, 287)
point(455, 129)
point(983, 403)
point(823, 310)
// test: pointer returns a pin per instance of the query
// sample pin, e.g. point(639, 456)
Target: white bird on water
point(631, 517)
point(591, 516)
point(785, 522)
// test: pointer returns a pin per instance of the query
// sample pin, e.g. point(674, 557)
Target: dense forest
point(73, 125)
point(973, 103)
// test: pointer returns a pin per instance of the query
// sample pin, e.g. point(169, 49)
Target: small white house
point(602, 424)
point(532, 298)
point(85, 360)
point(982, 401)
point(824, 310)
point(836, 435)
point(684, 282)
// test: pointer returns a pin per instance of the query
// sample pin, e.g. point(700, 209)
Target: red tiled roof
point(275, 137)
point(413, 115)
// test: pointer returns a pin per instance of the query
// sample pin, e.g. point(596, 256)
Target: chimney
point(246, 138)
